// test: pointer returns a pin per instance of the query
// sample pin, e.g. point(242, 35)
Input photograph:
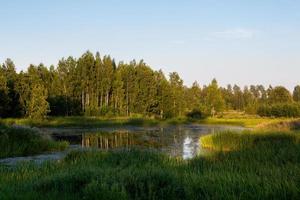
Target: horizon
point(248, 42)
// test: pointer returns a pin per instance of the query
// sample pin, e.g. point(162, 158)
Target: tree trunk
point(127, 101)
point(82, 101)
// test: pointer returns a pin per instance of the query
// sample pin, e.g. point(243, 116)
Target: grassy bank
point(24, 141)
point(233, 141)
point(81, 122)
point(123, 121)
point(264, 166)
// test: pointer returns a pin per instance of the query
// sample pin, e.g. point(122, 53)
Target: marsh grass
point(258, 166)
point(25, 141)
point(82, 121)
point(232, 141)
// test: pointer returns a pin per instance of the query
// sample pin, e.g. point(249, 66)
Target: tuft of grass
point(25, 141)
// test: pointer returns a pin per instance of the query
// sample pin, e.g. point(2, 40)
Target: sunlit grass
point(231, 141)
point(139, 121)
point(245, 122)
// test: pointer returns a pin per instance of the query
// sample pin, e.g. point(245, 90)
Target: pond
point(179, 141)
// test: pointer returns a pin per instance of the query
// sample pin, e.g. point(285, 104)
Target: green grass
point(81, 121)
point(254, 166)
point(122, 121)
point(94, 121)
point(24, 141)
point(232, 141)
point(244, 122)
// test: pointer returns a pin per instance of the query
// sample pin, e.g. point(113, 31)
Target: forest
point(98, 86)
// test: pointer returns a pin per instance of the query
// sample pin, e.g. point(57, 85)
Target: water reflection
point(107, 140)
point(187, 148)
point(180, 141)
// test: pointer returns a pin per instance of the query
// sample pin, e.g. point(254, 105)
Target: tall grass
point(230, 140)
point(25, 141)
point(136, 121)
point(81, 121)
point(258, 166)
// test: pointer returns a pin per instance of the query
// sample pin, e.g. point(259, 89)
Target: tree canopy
point(95, 85)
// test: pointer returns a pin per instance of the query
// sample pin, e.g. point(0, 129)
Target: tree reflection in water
point(108, 140)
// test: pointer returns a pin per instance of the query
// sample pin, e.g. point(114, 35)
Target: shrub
point(196, 114)
point(280, 110)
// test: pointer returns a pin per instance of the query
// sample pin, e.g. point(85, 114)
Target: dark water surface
point(182, 140)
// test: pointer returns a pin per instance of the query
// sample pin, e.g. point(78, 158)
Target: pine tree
point(238, 103)
point(128, 78)
point(38, 106)
point(193, 97)
point(4, 98)
point(213, 99)
point(279, 94)
point(162, 106)
point(9, 70)
point(118, 93)
point(296, 93)
point(85, 74)
point(177, 91)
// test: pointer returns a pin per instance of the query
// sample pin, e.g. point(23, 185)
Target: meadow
point(253, 164)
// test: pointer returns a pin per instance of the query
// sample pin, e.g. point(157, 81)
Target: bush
point(280, 110)
point(196, 114)
point(64, 106)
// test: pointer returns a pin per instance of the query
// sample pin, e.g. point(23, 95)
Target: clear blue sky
point(235, 41)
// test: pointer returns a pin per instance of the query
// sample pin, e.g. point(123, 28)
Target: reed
point(26, 141)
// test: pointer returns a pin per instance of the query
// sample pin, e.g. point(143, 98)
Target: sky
point(235, 41)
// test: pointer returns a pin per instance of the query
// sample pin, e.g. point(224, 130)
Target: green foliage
point(296, 93)
point(24, 142)
point(177, 92)
point(64, 106)
point(193, 97)
point(97, 86)
point(279, 95)
point(4, 98)
point(213, 99)
point(196, 114)
point(38, 107)
point(280, 110)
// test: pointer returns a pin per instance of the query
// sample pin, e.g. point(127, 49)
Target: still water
point(180, 141)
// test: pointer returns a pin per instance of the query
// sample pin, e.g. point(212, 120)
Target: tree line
point(98, 86)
